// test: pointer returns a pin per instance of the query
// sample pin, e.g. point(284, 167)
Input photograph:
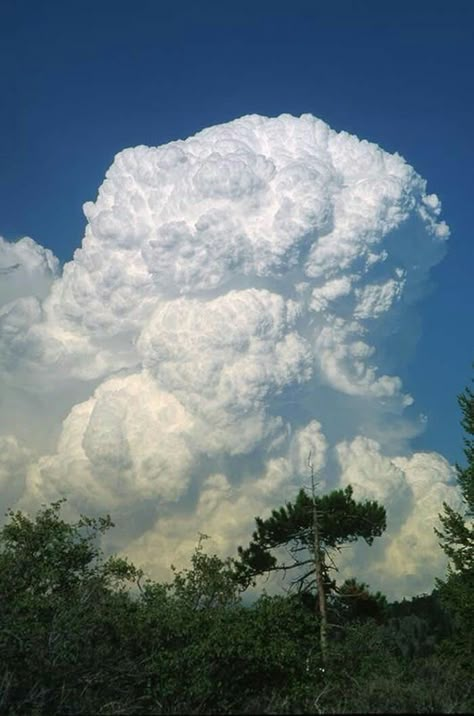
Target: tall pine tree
point(289, 532)
point(457, 533)
point(299, 537)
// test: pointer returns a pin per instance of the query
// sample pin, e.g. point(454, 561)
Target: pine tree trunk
point(323, 628)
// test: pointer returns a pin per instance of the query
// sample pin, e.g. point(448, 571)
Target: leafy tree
point(457, 533)
point(64, 612)
point(47, 555)
point(210, 582)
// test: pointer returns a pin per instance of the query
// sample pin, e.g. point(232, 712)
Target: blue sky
point(82, 80)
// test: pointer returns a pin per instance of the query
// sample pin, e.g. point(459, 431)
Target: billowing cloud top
point(232, 307)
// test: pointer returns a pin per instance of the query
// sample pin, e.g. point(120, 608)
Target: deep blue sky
point(82, 80)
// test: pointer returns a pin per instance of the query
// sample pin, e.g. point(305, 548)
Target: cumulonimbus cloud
point(231, 308)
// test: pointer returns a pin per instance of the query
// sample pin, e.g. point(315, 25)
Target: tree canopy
point(457, 533)
point(341, 520)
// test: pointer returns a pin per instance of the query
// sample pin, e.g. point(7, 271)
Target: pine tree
point(341, 519)
point(457, 534)
point(308, 530)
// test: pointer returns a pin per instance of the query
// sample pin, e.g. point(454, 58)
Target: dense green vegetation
point(81, 634)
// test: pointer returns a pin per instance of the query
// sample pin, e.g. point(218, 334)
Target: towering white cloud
point(231, 308)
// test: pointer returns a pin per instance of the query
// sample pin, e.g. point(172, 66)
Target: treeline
point(81, 634)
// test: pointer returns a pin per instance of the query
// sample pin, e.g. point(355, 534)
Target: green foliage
point(229, 655)
point(75, 639)
point(457, 535)
point(233, 655)
point(419, 625)
point(466, 474)
point(370, 675)
point(341, 518)
point(211, 582)
point(62, 610)
point(81, 634)
point(386, 684)
point(354, 602)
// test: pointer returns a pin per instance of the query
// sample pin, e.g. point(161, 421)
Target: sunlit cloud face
point(232, 308)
